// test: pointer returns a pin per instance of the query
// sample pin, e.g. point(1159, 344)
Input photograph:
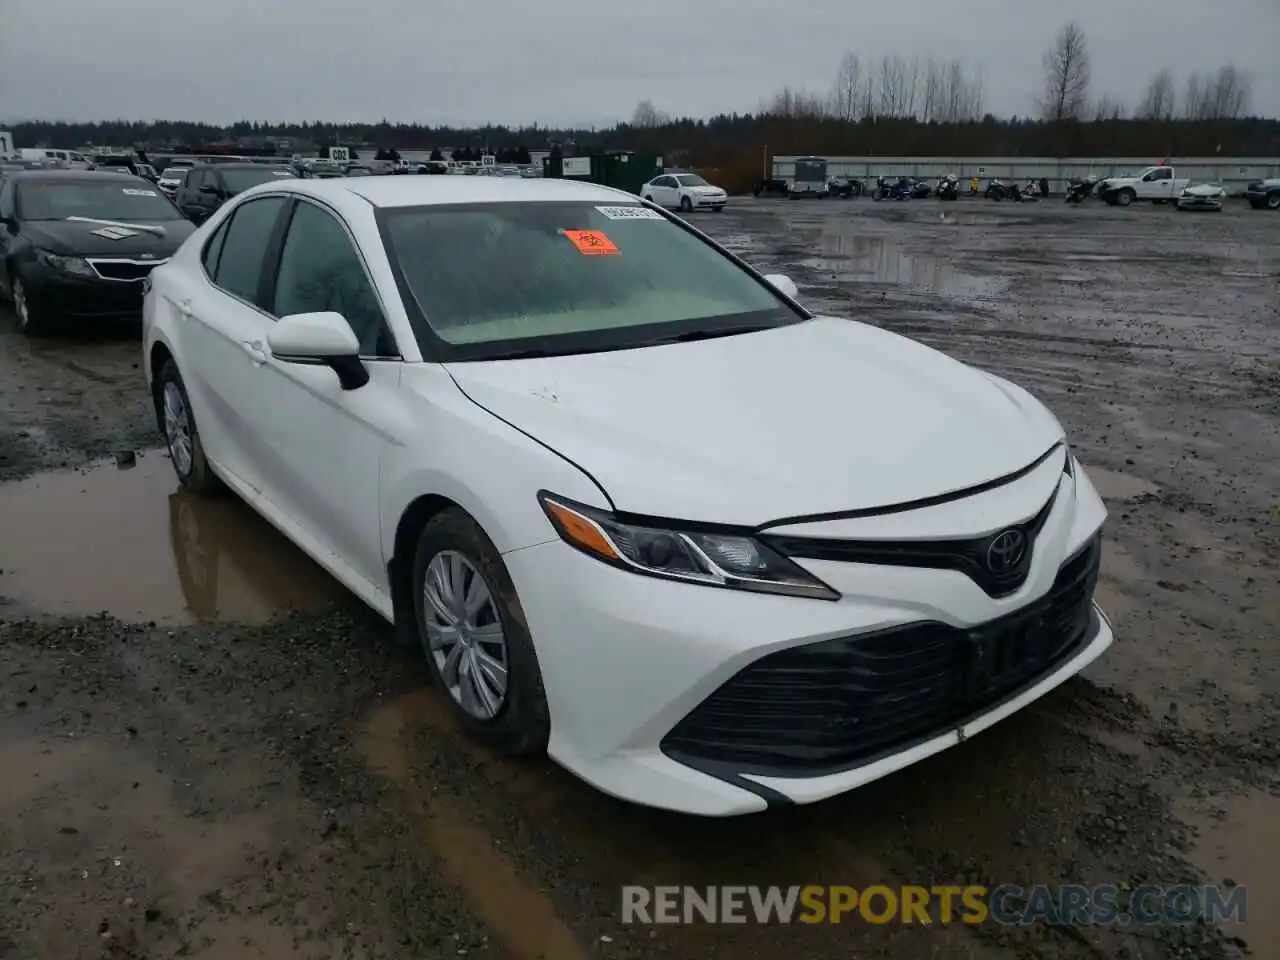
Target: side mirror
point(784, 285)
point(320, 339)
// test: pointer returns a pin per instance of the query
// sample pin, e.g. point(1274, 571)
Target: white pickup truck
point(1157, 184)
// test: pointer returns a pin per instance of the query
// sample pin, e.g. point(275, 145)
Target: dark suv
point(208, 186)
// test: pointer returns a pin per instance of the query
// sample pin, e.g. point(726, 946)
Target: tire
point(1125, 197)
point(32, 318)
point(878, 195)
point(177, 422)
point(519, 724)
point(686, 205)
point(1273, 201)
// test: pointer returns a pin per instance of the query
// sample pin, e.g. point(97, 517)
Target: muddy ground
point(207, 750)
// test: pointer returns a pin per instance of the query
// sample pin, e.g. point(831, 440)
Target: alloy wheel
point(465, 638)
point(177, 428)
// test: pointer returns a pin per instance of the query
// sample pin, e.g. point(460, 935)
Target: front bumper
point(75, 297)
point(1200, 203)
point(713, 201)
point(644, 677)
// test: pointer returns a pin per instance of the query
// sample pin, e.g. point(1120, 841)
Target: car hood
point(73, 238)
point(817, 417)
point(706, 190)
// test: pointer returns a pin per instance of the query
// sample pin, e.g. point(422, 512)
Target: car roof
point(389, 192)
point(70, 176)
point(241, 165)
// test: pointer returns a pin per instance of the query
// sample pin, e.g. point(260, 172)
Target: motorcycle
point(844, 187)
point(1080, 189)
point(949, 187)
point(999, 190)
point(891, 188)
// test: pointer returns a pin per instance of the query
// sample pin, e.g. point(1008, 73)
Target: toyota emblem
point(1006, 551)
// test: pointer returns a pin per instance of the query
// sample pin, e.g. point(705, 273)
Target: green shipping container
point(622, 169)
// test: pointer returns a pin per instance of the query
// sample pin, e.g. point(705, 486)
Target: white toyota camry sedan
point(640, 508)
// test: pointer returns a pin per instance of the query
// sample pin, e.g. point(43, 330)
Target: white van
point(65, 159)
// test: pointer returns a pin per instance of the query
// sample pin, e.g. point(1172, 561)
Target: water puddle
point(1122, 487)
point(133, 544)
point(875, 258)
point(522, 916)
point(1239, 845)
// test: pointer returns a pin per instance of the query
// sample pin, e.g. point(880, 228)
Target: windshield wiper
point(708, 334)
point(151, 228)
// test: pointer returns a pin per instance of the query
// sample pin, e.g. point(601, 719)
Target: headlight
point(733, 561)
point(77, 266)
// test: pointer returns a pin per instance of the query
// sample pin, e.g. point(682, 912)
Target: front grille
point(972, 557)
point(831, 706)
point(126, 270)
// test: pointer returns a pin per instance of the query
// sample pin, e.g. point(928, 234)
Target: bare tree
point(931, 95)
point(1194, 106)
point(1159, 101)
point(847, 91)
point(973, 103)
point(959, 97)
point(912, 88)
point(870, 97)
point(1066, 75)
point(893, 89)
point(1108, 108)
point(1223, 95)
point(795, 104)
point(647, 115)
point(1230, 93)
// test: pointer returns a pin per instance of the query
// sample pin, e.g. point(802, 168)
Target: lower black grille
point(122, 269)
point(835, 705)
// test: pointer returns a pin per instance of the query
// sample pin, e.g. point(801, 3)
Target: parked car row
point(1157, 184)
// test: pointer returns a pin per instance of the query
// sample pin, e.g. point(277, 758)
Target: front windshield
point(176, 173)
point(691, 180)
point(239, 180)
point(130, 200)
point(492, 279)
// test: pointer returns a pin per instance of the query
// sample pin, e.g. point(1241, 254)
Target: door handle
point(256, 350)
point(184, 308)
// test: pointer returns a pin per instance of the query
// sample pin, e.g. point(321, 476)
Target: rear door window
point(244, 251)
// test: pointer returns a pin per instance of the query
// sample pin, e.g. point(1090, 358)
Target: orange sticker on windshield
point(592, 243)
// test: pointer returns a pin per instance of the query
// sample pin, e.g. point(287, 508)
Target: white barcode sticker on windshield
point(129, 191)
point(630, 213)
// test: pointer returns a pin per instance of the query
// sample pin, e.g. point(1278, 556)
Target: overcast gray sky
point(572, 61)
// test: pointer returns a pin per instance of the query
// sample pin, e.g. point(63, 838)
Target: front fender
point(463, 453)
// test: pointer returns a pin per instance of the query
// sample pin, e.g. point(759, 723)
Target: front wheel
point(178, 424)
point(1125, 197)
point(472, 629)
point(1273, 201)
point(686, 205)
point(878, 194)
